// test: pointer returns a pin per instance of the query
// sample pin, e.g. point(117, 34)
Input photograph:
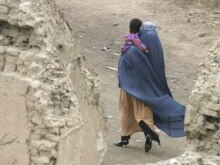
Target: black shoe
point(124, 141)
point(148, 131)
point(156, 138)
point(148, 143)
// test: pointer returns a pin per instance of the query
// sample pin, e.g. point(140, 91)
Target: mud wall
point(50, 109)
point(203, 116)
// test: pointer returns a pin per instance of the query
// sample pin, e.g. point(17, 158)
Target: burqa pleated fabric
point(143, 77)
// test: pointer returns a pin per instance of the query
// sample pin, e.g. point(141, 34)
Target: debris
point(203, 34)
point(188, 20)
point(199, 13)
point(68, 25)
point(115, 24)
point(118, 42)
point(111, 68)
point(104, 49)
point(116, 54)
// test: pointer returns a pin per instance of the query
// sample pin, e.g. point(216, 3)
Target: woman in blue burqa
point(145, 98)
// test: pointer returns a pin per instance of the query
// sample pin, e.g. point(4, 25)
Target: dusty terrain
point(186, 33)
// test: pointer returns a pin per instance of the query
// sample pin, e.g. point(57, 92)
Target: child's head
point(135, 25)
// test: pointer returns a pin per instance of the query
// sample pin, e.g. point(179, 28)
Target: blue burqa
point(143, 77)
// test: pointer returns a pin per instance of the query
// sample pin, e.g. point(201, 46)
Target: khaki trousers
point(131, 112)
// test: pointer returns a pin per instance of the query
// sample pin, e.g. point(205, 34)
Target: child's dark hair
point(135, 25)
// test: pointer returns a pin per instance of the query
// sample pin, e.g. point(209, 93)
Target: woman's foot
point(148, 143)
point(147, 131)
point(149, 134)
point(124, 141)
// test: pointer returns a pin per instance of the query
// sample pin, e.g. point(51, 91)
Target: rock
point(208, 145)
point(2, 1)
point(210, 126)
point(54, 130)
point(115, 24)
point(40, 160)
point(54, 153)
point(104, 49)
point(10, 64)
point(202, 34)
point(214, 107)
point(12, 3)
point(188, 20)
point(216, 147)
point(37, 120)
point(100, 142)
point(111, 68)
point(1, 38)
point(214, 99)
point(116, 54)
point(34, 152)
point(70, 123)
point(207, 112)
point(43, 145)
point(2, 62)
point(34, 40)
point(2, 50)
point(36, 136)
point(3, 9)
point(12, 51)
point(50, 121)
point(52, 137)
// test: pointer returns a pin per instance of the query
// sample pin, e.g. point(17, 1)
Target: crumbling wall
point(203, 116)
point(46, 91)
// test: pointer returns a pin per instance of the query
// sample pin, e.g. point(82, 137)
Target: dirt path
point(186, 35)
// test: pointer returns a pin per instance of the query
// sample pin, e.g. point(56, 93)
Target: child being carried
point(132, 37)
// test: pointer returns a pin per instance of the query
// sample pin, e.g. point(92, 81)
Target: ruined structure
point(49, 100)
point(203, 116)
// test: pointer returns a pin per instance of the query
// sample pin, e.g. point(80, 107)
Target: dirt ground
point(186, 32)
